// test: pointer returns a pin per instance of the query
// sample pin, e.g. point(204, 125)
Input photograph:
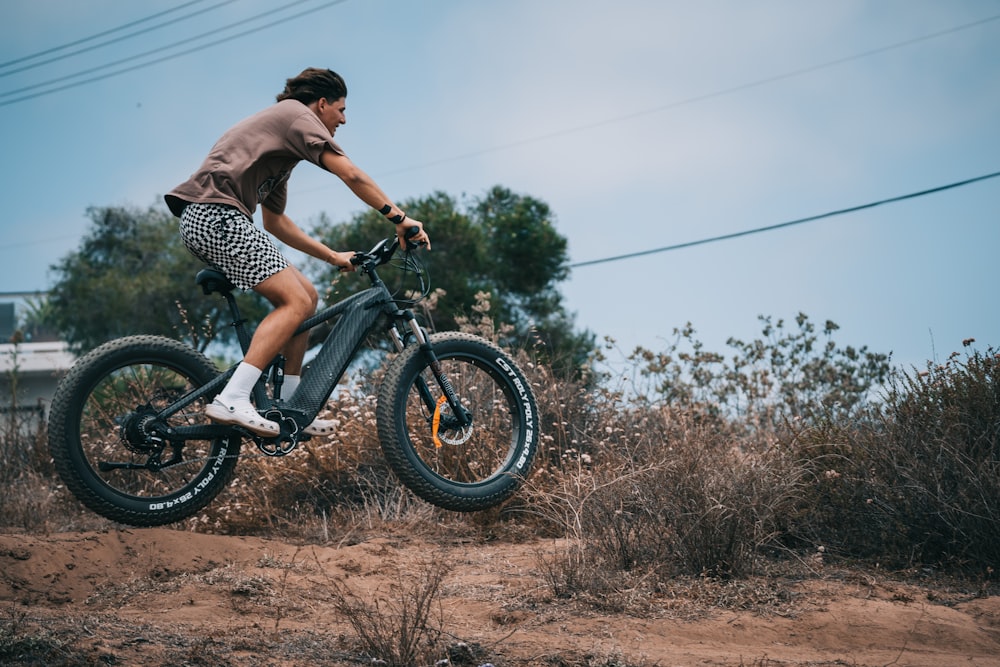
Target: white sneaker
point(241, 414)
point(322, 427)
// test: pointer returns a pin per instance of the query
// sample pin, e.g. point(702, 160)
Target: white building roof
point(36, 358)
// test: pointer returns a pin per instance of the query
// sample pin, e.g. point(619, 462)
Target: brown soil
point(166, 597)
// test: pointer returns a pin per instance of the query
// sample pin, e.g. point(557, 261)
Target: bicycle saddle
point(213, 280)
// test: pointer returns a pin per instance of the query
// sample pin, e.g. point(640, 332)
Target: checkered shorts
point(225, 238)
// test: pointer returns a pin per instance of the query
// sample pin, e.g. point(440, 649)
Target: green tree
point(503, 244)
point(132, 275)
point(526, 260)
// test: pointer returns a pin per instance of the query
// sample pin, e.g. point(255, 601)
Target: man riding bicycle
point(250, 165)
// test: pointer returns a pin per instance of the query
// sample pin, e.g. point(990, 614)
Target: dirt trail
point(165, 597)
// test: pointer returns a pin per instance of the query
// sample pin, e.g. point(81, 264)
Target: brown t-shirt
point(252, 161)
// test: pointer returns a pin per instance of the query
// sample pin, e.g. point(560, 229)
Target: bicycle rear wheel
point(463, 468)
point(107, 441)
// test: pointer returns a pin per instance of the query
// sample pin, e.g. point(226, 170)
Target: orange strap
point(437, 421)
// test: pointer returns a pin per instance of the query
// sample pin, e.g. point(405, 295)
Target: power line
point(132, 68)
point(121, 38)
point(748, 232)
point(109, 31)
point(18, 244)
point(144, 54)
point(812, 218)
point(713, 239)
point(699, 98)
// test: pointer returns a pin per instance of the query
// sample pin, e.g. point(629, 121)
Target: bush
point(673, 494)
point(783, 376)
point(27, 497)
point(399, 627)
point(704, 471)
point(915, 481)
point(937, 452)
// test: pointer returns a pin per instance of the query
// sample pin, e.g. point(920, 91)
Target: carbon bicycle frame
point(359, 315)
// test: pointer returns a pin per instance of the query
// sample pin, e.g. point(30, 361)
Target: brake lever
point(381, 253)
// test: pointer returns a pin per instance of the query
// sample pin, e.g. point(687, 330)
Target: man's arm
point(286, 231)
point(370, 193)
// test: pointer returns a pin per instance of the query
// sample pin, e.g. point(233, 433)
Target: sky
point(643, 124)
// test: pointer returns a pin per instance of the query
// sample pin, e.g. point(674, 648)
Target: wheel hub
point(137, 432)
point(452, 432)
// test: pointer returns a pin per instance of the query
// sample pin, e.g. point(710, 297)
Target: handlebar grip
point(384, 249)
point(409, 234)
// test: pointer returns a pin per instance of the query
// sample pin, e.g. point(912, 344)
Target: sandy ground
point(166, 597)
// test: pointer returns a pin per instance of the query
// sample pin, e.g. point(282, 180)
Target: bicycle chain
point(262, 454)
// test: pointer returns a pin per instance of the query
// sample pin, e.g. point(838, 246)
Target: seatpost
point(242, 335)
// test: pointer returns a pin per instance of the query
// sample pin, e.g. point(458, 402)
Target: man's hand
point(342, 260)
point(419, 238)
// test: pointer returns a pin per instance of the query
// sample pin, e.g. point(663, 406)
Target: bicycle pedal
point(276, 446)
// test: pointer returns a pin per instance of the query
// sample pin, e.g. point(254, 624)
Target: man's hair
point(312, 84)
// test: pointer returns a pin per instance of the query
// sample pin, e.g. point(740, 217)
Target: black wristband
point(396, 219)
point(385, 209)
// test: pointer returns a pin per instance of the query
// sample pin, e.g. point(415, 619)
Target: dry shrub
point(646, 491)
point(941, 459)
point(23, 477)
point(918, 480)
point(31, 498)
point(339, 481)
point(402, 627)
point(660, 494)
point(696, 466)
point(27, 642)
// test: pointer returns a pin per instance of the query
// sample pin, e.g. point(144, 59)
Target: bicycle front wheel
point(108, 442)
point(466, 462)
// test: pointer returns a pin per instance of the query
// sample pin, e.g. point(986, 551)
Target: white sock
point(240, 384)
point(291, 383)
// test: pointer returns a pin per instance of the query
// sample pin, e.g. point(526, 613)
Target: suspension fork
point(461, 415)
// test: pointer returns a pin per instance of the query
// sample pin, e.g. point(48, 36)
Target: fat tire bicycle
point(456, 417)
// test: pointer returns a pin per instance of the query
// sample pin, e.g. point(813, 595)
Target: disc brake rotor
point(454, 435)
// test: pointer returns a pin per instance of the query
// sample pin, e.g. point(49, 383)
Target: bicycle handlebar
point(383, 251)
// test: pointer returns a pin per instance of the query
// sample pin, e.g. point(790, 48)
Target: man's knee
point(287, 290)
point(307, 294)
point(303, 302)
point(313, 297)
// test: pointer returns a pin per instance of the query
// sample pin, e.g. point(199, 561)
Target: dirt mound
point(165, 597)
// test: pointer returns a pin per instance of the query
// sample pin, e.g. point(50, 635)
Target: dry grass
point(20, 636)
point(639, 485)
point(402, 626)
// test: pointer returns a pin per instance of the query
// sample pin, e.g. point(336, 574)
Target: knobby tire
point(468, 469)
point(96, 422)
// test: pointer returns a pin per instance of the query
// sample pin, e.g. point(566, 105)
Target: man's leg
point(294, 299)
